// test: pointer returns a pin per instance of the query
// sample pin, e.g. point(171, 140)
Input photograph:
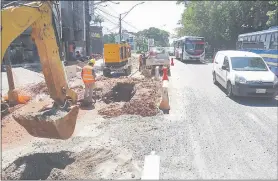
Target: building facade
point(129, 37)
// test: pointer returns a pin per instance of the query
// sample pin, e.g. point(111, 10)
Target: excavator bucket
point(54, 124)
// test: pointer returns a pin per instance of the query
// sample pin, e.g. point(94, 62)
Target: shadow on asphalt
point(37, 69)
point(256, 101)
point(195, 63)
point(87, 107)
point(37, 166)
point(83, 105)
point(253, 101)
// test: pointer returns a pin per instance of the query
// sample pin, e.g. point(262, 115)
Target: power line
point(114, 28)
point(110, 31)
point(106, 18)
point(112, 9)
point(131, 25)
point(107, 13)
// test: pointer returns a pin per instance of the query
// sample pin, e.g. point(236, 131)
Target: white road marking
point(151, 167)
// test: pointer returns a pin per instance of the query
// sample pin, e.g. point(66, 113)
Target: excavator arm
point(39, 15)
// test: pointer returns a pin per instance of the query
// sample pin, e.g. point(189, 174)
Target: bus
point(264, 43)
point(190, 48)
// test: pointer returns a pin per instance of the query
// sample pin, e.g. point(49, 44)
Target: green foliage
point(273, 15)
point(109, 38)
point(220, 22)
point(98, 19)
point(161, 37)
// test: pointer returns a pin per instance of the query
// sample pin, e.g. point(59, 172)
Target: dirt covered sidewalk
point(91, 153)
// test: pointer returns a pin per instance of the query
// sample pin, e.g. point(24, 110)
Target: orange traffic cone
point(172, 62)
point(165, 73)
point(164, 104)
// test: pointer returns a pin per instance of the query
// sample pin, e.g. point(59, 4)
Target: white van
point(244, 74)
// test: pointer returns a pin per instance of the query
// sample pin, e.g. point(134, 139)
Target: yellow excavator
point(57, 122)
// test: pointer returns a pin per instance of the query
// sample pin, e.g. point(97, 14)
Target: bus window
point(245, 38)
point(267, 40)
point(249, 38)
point(262, 39)
point(273, 41)
point(258, 38)
point(253, 38)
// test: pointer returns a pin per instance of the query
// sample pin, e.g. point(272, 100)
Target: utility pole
point(121, 18)
point(92, 10)
point(120, 28)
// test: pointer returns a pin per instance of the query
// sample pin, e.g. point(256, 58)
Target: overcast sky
point(161, 14)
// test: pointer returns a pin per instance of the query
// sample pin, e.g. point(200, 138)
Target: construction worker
point(77, 55)
point(89, 78)
point(140, 61)
point(144, 59)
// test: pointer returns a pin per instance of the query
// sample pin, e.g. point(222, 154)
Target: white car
point(244, 74)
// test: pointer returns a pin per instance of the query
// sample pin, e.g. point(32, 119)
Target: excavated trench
point(132, 98)
point(121, 92)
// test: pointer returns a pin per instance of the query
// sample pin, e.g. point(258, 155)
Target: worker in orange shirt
point(89, 78)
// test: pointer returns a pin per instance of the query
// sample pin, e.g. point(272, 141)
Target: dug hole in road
point(206, 135)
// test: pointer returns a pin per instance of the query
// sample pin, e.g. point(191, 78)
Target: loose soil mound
point(143, 102)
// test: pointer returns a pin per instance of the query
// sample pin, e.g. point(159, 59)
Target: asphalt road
point(218, 137)
point(206, 135)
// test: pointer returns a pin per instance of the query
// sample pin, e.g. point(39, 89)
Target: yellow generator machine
point(117, 59)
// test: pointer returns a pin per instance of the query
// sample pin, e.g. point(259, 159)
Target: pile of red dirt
point(143, 102)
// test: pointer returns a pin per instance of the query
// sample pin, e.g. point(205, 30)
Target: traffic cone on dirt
point(165, 73)
point(157, 73)
point(172, 62)
point(164, 104)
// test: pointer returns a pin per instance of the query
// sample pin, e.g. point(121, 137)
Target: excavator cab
point(57, 122)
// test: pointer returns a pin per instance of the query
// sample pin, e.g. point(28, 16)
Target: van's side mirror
point(269, 68)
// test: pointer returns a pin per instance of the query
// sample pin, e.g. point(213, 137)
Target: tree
point(98, 19)
point(273, 15)
point(109, 38)
point(161, 37)
point(220, 22)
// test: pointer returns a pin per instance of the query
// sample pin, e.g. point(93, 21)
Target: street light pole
point(120, 28)
point(121, 18)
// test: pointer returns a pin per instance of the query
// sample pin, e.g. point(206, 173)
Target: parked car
point(244, 74)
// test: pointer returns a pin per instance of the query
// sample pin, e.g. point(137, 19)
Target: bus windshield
point(194, 45)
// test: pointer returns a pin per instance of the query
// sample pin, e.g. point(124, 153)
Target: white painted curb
point(151, 167)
